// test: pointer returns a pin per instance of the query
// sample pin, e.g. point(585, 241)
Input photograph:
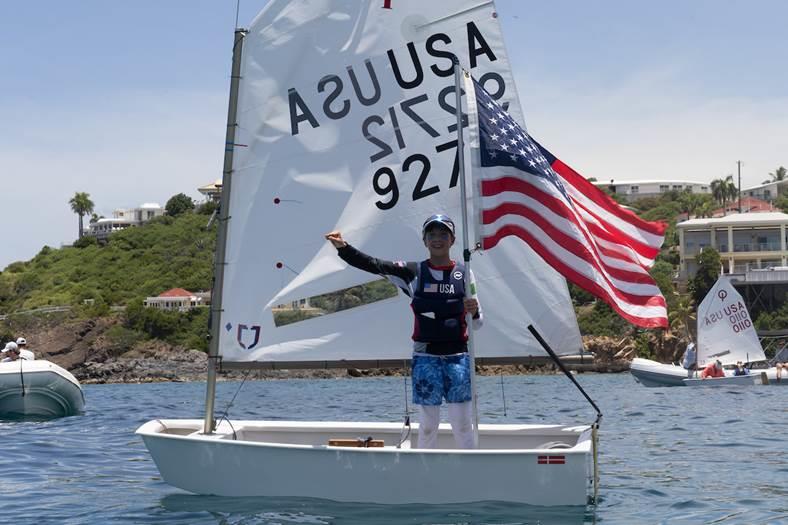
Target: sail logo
point(242, 329)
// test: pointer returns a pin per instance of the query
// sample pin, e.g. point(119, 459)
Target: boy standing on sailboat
point(440, 365)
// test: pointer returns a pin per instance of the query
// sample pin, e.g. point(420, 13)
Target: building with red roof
point(174, 299)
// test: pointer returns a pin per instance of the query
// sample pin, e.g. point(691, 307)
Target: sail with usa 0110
point(349, 116)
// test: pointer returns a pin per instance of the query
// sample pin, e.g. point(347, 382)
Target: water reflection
point(314, 511)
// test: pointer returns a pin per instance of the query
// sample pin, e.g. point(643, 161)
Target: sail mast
point(221, 237)
point(466, 252)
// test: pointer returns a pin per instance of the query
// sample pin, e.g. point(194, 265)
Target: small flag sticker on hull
point(551, 460)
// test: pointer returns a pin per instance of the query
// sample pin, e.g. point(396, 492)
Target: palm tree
point(706, 209)
point(779, 174)
point(731, 191)
point(81, 205)
point(682, 315)
point(717, 190)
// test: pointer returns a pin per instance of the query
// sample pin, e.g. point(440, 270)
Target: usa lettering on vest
point(446, 288)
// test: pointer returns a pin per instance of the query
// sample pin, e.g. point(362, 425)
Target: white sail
point(725, 330)
point(346, 121)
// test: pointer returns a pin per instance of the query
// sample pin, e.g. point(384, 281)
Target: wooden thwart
point(359, 443)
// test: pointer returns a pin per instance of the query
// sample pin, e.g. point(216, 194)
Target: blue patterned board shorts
point(438, 377)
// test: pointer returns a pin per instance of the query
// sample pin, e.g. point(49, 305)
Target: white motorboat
point(651, 373)
point(725, 332)
point(310, 164)
point(38, 389)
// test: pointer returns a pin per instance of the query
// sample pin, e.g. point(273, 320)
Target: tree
point(681, 316)
point(178, 204)
point(781, 203)
point(717, 190)
point(779, 174)
point(707, 274)
point(81, 205)
point(724, 190)
point(731, 190)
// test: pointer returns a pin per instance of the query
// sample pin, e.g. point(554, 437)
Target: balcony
point(757, 247)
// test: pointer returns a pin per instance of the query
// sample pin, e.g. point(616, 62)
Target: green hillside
point(177, 252)
point(167, 252)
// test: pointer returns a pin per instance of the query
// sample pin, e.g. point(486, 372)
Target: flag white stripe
point(641, 289)
point(588, 270)
point(569, 227)
point(623, 249)
point(648, 238)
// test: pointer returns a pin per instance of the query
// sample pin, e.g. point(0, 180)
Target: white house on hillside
point(122, 219)
point(745, 241)
point(639, 189)
point(212, 191)
point(175, 299)
point(768, 191)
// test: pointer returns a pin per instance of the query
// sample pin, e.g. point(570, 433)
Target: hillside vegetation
point(177, 252)
point(167, 252)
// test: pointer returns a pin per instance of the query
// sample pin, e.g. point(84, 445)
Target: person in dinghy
point(440, 365)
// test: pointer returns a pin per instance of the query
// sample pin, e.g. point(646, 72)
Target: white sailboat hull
point(653, 374)
point(38, 388)
point(515, 463)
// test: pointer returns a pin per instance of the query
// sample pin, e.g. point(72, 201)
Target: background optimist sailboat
point(347, 115)
point(725, 332)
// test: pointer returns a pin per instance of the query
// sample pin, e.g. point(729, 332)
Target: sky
point(128, 100)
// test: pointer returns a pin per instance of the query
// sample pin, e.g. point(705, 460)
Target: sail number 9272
point(384, 181)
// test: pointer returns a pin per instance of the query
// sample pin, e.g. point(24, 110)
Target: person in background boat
point(440, 365)
point(690, 362)
point(10, 352)
point(24, 353)
point(740, 369)
point(780, 367)
point(713, 370)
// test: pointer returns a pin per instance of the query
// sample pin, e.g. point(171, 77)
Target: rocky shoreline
point(85, 348)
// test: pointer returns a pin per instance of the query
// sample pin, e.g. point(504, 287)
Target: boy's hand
point(336, 239)
point(471, 306)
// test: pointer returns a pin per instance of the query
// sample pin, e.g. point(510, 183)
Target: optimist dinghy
point(348, 119)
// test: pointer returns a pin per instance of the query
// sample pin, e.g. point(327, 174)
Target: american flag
point(574, 226)
point(431, 287)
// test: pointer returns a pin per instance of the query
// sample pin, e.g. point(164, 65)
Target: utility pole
point(738, 164)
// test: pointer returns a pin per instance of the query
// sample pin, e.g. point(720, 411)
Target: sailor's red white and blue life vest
point(439, 309)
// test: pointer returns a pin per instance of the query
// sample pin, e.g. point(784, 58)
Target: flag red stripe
point(568, 242)
point(604, 200)
point(557, 205)
point(575, 277)
point(560, 208)
point(610, 232)
point(629, 298)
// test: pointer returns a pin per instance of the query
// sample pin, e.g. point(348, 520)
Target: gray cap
point(438, 218)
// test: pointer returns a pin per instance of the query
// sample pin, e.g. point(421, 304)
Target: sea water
point(668, 455)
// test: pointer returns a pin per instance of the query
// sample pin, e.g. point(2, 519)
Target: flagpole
point(466, 252)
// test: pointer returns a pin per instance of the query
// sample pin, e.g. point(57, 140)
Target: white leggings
point(460, 417)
